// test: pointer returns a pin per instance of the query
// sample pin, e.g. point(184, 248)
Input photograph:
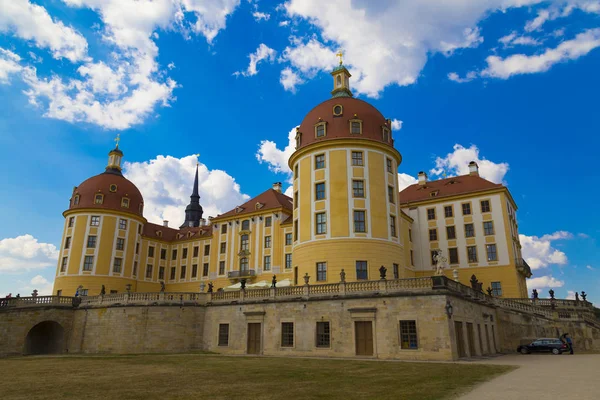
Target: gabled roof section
point(159, 232)
point(455, 186)
point(269, 200)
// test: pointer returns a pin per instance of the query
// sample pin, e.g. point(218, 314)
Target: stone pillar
point(272, 292)
point(342, 288)
point(242, 295)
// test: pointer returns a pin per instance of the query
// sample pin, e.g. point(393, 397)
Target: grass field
point(202, 376)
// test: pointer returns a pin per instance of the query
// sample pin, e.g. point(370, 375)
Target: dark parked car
point(554, 346)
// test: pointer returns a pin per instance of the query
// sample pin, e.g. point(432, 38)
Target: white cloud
point(41, 284)
point(290, 79)
point(24, 253)
point(570, 295)
point(260, 16)
point(32, 22)
point(310, 57)
point(9, 65)
point(36, 59)
point(211, 15)
point(457, 163)
point(171, 65)
point(284, 23)
point(166, 184)
point(453, 76)
point(562, 9)
point(405, 180)
point(539, 252)
point(276, 159)
point(263, 52)
point(514, 39)
point(590, 267)
point(517, 64)
point(396, 124)
point(543, 282)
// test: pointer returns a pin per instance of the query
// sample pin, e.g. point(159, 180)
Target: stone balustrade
point(37, 301)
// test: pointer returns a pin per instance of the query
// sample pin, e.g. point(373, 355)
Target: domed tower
point(102, 233)
point(346, 211)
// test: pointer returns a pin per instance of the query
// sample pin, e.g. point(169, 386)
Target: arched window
point(246, 225)
point(76, 200)
point(98, 199)
point(244, 243)
point(125, 202)
point(339, 80)
point(243, 264)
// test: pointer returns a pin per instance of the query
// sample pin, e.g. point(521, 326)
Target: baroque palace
point(348, 266)
point(346, 214)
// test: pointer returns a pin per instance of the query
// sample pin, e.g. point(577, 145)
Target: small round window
point(113, 188)
point(337, 109)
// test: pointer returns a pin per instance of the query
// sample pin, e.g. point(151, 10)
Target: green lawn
point(202, 376)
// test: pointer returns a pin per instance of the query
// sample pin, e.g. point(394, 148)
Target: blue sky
point(510, 83)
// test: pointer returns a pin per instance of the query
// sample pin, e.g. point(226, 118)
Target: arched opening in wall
point(47, 337)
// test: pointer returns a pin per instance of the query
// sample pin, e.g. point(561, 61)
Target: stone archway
point(47, 337)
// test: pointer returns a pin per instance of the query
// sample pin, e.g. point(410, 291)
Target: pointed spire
point(115, 156)
point(341, 80)
point(195, 190)
point(193, 212)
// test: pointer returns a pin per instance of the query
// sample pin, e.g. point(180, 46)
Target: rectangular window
point(430, 213)
point(182, 272)
point(223, 228)
point(149, 271)
point(359, 221)
point(448, 212)
point(95, 220)
point(323, 334)
point(172, 273)
point(485, 206)
point(161, 273)
point(122, 223)
point(267, 242)
point(120, 244)
point(433, 235)
point(472, 254)
point(321, 271)
point(412, 258)
point(288, 260)
point(466, 208)
point(267, 263)
point(295, 200)
point(320, 161)
point(410, 235)
point(288, 239)
point(221, 267)
point(91, 242)
point(321, 223)
point(207, 250)
point(223, 248)
point(492, 254)
point(296, 172)
point(393, 225)
point(396, 271)
point(137, 248)
point(361, 270)
point(88, 263)
point(194, 271)
point(358, 188)
point(357, 158)
point(469, 230)
point(321, 130)
point(205, 269)
point(497, 289)
point(184, 253)
point(488, 228)
point(71, 222)
point(135, 264)
point(287, 334)
point(117, 264)
point(163, 254)
point(408, 335)
point(391, 196)
point(453, 253)
point(223, 334)
point(450, 232)
point(355, 127)
point(268, 221)
point(174, 254)
point(296, 230)
point(195, 251)
point(151, 252)
point(389, 165)
point(63, 265)
point(320, 191)
point(84, 292)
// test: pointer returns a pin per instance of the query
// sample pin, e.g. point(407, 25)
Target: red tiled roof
point(269, 200)
point(446, 187)
point(172, 234)
point(288, 220)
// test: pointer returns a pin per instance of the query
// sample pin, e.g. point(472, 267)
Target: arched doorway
point(45, 338)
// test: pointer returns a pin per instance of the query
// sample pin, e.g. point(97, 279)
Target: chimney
point(422, 178)
point(473, 168)
point(165, 223)
point(277, 187)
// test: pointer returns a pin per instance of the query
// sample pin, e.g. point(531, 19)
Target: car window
point(537, 343)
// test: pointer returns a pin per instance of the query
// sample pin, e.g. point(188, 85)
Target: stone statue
point(455, 275)
point(306, 278)
point(342, 276)
point(382, 272)
point(583, 295)
point(440, 262)
point(489, 291)
point(79, 288)
point(274, 281)
point(474, 282)
point(210, 287)
point(103, 290)
point(243, 283)
point(162, 286)
point(535, 294)
point(577, 297)
point(551, 294)
point(35, 293)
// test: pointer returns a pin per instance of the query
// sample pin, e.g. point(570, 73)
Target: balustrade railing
point(362, 286)
point(330, 288)
point(257, 293)
point(289, 291)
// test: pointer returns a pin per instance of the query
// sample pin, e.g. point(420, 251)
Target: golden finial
point(118, 139)
point(340, 55)
point(197, 155)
